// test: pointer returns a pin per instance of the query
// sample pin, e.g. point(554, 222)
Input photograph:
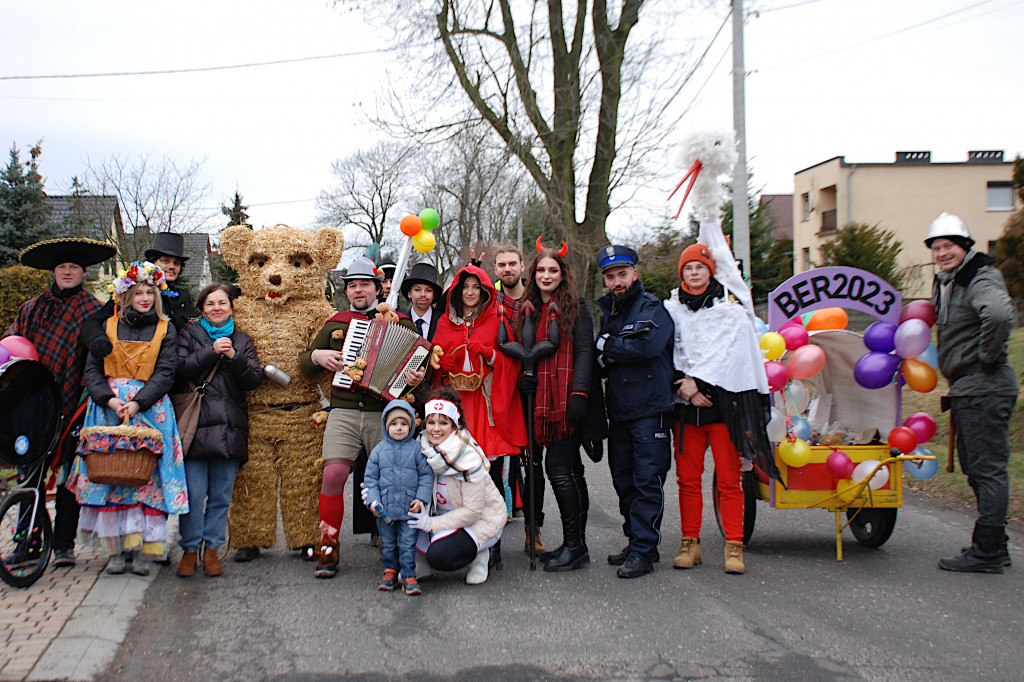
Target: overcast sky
point(862, 79)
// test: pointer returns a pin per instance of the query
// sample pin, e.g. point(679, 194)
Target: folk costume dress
point(490, 395)
point(120, 518)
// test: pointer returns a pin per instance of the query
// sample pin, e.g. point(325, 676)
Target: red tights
point(690, 469)
point(332, 497)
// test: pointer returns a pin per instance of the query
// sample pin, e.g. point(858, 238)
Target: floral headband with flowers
point(136, 273)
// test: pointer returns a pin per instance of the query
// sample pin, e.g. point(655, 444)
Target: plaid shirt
point(506, 307)
point(52, 324)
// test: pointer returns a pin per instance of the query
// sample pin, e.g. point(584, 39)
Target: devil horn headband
point(561, 252)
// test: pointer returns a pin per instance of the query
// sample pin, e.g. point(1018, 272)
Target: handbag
point(186, 409)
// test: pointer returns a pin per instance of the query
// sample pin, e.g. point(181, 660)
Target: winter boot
point(983, 556)
point(187, 565)
point(689, 553)
point(494, 562)
point(211, 563)
point(478, 569)
point(734, 558)
point(116, 565)
point(538, 545)
point(140, 563)
point(573, 553)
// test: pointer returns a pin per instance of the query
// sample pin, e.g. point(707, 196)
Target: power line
point(790, 6)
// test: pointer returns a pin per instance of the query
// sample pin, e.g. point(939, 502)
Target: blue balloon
point(760, 327)
point(801, 428)
point(880, 337)
point(875, 370)
point(922, 468)
point(931, 356)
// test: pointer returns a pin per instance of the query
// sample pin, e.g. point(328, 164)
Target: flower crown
point(136, 273)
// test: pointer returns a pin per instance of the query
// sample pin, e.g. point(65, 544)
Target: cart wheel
point(749, 504)
point(871, 527)
point(25, 537)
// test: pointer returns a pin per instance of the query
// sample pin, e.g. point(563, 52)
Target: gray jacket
point(975, 314)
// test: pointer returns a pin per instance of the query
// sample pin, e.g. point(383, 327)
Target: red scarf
point(554, 381)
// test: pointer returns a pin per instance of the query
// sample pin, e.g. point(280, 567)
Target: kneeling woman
point(130, 385)
point(470, 512)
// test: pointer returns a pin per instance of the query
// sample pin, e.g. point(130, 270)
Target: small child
point(398, 480)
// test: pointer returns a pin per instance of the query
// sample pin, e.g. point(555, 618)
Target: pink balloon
point(778, 376)
point(918, 310)
point(795, 335)
point(923, 426)
point(4, 355)
point(19, 347)
point(912, 338)
point(805, 362)
point(839, 464)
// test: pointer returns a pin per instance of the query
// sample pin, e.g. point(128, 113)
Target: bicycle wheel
point(26, 537)
point(749, 504)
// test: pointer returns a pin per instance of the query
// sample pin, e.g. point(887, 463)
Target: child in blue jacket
point(398, 480)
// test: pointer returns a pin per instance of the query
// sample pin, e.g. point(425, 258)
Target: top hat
point(388, 267)
point(422, 273)
point(167, 244)
point(615, 255)
point(47, 255)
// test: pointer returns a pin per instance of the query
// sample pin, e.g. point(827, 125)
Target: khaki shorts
point(349, 431)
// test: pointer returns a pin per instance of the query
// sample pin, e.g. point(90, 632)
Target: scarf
point(703, 299)
point(459, 455)
point(554, 380)
point(226, 329)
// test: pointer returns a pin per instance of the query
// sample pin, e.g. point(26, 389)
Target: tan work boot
point(689, 553)
point(538, 545)
point(734, 558)
point(187, 565)
point(211, 564)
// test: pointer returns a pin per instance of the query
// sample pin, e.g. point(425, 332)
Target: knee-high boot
point(570, 491)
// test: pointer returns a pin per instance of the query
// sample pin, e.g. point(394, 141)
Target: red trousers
point(690, 469)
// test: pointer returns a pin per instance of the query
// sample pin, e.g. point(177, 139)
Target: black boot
point(494, 560)
point(983, 556)
point(571, 494)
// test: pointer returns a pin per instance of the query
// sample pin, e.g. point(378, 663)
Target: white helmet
point(951, 227)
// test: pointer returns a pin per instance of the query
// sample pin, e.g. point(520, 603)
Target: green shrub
point(18, 284)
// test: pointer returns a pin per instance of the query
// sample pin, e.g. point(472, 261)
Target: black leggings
point(452, 552)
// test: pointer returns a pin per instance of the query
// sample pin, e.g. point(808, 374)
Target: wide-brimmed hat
point(47, 255)
point(422, 273)
point(167, 244)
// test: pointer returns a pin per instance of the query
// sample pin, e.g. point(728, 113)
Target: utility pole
point(740, 201)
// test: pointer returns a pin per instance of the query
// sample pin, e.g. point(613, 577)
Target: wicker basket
point(121, 467)
point(465, 382)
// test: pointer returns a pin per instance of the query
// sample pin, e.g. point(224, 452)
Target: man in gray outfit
point(975, 314)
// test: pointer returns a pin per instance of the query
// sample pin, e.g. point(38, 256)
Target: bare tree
point(156, 195)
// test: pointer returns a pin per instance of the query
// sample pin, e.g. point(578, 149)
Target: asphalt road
point(797, 614)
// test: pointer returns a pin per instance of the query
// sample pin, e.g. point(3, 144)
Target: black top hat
point(47, 255)
point(422, 273)
point(167, 244)
point(388, 267)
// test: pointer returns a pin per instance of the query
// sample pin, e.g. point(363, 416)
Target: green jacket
point(974, 317)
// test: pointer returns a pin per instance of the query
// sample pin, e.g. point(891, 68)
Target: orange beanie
point(699, 253)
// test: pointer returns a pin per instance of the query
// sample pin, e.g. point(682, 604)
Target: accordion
point(389, 349)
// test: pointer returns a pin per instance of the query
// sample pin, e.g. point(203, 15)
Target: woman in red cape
point(485, 378)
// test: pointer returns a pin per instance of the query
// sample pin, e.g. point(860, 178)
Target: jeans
point(981, 424)
point(210, 483)
point(398, 546)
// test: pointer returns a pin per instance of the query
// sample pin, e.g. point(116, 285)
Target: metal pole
point(740, 200)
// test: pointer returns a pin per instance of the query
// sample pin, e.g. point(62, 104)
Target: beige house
point(903, 197)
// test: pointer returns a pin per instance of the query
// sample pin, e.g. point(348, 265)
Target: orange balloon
point(919, 375)
point(411, 225)
point(828, 318)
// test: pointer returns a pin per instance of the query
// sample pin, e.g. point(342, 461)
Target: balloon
point(875, 370)
point(795, 454)
point(778, 376)
point(903, 439)
point(760, 327)
point(773, 345)
point(931, 356)
point(411, 225)
point(424, 241)
point(839, 464)
point(19, 347)
point(828, 318)
point(880, 337)
point(922, 424)
point(848, 491)
point(776, 429)
point(795, 336)
point(797, 398)
point(796, 321)
point(430, 219)
point(804, 319)
point(801, 428)
point(864, 469)
point(918, 310)
point(921, 468)
point(805, 362)
point(912, 338)
point(919, 375)
point(4, 355)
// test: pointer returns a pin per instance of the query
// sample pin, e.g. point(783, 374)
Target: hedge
point(18, 284)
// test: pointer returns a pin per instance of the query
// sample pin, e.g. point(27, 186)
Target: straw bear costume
point(281, 271)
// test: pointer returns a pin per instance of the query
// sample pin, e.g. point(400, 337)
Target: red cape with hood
point(493, 412)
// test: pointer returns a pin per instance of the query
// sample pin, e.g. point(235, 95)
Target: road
point(797, 614)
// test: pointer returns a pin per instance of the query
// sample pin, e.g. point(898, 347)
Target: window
point(999, 196)
point(806, 197)
point(807, 258)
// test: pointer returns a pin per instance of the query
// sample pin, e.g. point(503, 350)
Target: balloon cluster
point(906, 347)
point(790, 359)
point(14, 346)
point(421, 229)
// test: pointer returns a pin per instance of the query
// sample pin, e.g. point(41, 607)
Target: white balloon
point(776, 428)
point(864, 469)
point(797, 398)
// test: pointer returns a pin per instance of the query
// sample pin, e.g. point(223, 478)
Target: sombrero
point(47, 255)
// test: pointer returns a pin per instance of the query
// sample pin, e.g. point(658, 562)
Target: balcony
point(828, 222)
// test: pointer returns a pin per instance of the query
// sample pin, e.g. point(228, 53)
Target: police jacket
point(634, 350)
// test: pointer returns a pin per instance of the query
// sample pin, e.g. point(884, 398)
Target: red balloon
point(778, 376)
point(918, 310)
point(795, 335)
point(839, 464)
point(923, 426)
point(19, 347)
point(903, 439)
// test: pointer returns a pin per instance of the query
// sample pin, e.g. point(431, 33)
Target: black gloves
point(577, 412)
point(527, 384)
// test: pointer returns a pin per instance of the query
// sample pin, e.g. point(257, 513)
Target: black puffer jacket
point(223, 431)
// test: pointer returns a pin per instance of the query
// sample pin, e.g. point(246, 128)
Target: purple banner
point(834, 287)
